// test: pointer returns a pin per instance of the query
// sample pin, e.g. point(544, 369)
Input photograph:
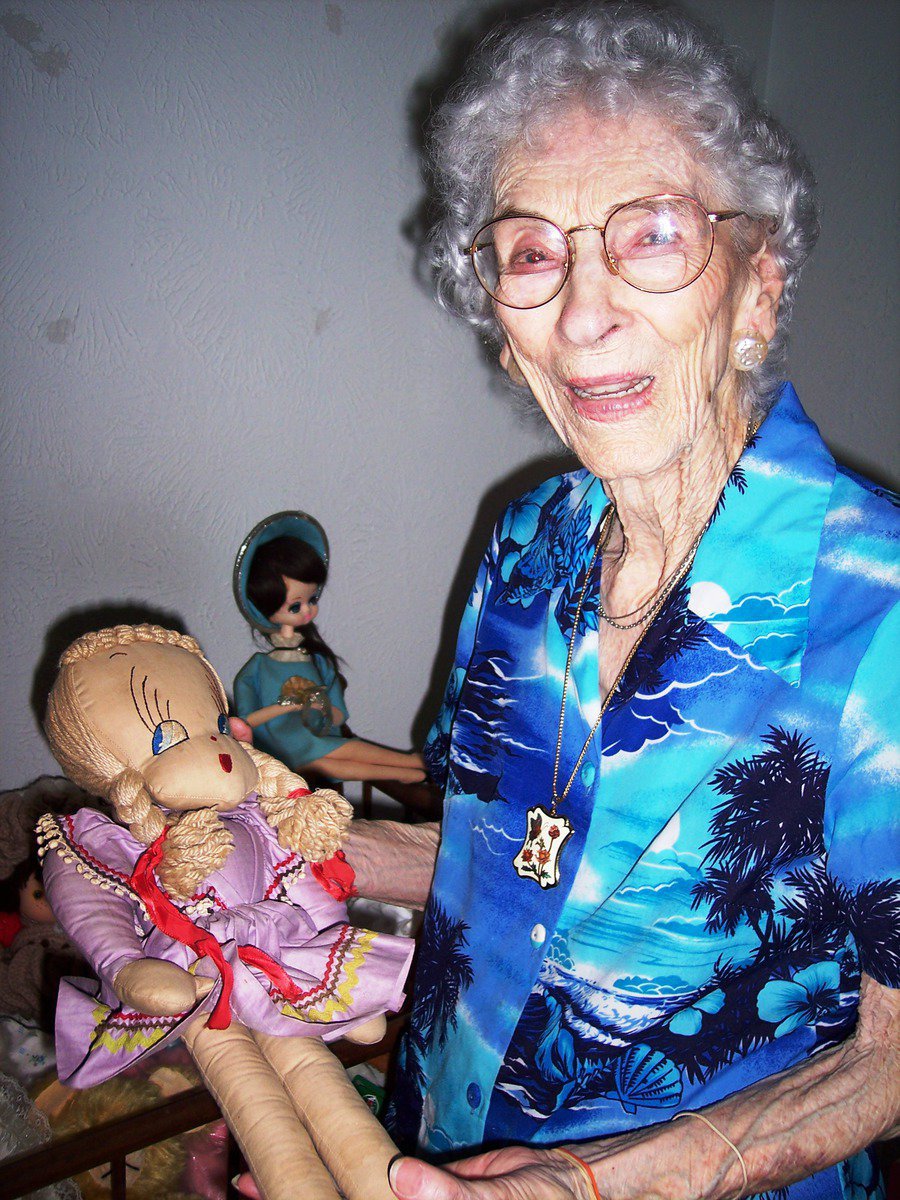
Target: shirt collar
point(752, 574)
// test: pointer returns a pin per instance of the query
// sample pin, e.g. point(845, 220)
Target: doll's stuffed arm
point(159, 988)
point(101, 924)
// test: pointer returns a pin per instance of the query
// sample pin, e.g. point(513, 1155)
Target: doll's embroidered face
point(301, 605)
point(156, 708)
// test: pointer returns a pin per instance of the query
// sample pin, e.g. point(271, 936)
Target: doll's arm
point(101, 924)
point(248, 700)
point(394, 863)
point(261, 715)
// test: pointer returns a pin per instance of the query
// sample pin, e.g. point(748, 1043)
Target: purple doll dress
point(272, 932)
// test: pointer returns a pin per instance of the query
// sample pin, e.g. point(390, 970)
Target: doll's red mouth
point(225, 762)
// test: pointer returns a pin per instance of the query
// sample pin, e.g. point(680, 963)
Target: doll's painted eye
point(168, 734)
point(222, 724)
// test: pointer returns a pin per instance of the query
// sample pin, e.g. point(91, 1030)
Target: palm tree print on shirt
point(765, 868)
point(443, 974)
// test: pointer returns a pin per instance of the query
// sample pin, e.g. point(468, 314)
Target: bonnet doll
point(293, 696)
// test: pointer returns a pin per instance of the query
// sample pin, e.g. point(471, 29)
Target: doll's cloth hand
point(516, 1173)
point(158, 988)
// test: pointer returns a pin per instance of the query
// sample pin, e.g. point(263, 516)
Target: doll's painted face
point(157, 710)
point(301, 605)
point(33, 902)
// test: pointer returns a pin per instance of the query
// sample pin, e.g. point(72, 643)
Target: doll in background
point(30, 943)
point(293, 696)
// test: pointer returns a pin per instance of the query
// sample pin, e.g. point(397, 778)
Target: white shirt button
point(539, 935)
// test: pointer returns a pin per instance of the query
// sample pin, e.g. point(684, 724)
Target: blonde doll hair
point(198, 842)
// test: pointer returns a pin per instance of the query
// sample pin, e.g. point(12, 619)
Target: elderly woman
point(664, 884)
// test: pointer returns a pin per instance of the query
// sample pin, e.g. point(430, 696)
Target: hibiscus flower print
point(810, 996)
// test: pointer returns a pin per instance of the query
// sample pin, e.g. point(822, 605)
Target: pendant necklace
point(547, 832)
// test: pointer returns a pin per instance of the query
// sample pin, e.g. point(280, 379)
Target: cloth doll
point(293, 696)
point(212, 908)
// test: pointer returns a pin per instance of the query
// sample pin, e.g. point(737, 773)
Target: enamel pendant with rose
point(539, 857)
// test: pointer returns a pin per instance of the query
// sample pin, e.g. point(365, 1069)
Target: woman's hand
point(517, 1173)
point(240, 730)
point(787, 1127)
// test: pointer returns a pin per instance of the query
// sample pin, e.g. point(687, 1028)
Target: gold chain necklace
point(547, 832)
point(656, 602)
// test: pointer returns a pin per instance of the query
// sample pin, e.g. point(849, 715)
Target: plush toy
point(153, 1173)
point(213, 909)
point(293, 696)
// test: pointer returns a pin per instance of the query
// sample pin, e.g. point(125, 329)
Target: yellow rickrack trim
point(127, 1040)
point(339, 1005)
point(51, 837)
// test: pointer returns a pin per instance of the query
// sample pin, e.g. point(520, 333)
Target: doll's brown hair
point(198, 842)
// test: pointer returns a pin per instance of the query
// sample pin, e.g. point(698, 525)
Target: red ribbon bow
point(174, 924)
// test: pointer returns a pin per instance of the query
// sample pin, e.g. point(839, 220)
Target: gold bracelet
point(585, 1170)
point(728, 1142)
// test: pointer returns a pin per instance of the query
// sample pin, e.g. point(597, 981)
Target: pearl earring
point(748, 349)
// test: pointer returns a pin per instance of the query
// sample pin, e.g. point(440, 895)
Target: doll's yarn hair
point(312, 823)
point(198, 841)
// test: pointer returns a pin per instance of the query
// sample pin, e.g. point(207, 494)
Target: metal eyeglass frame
point(713, 217)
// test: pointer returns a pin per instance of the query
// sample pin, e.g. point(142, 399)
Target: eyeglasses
point(655, 244)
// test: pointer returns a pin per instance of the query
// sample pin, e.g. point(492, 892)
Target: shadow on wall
point(455, 44)
point(72, 625)
point(492, 504)
point(882, 480)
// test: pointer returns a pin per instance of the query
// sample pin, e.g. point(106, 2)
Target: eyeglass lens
point(657, 245)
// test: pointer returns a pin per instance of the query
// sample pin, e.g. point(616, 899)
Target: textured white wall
point(210, 313)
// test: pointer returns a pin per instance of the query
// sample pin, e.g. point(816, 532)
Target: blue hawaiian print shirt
point(732, 866)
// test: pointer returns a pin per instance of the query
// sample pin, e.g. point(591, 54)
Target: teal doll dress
point(306, 731)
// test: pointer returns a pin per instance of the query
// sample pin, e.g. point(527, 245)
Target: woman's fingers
point(497, 1163)
point(245, 1185)
point(514, 1174)
point(411, 1179)
point(240, 730)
